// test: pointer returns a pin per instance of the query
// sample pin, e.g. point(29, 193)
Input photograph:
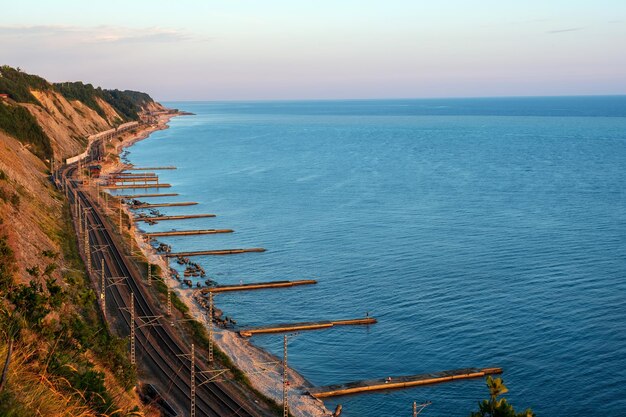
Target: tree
point(495, 407)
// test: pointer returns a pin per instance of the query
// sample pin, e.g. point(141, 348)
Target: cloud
point(98, 34)
point(565, 30)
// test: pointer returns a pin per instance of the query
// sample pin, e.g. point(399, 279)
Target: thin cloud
point(565, 30)
point(34, 30)
point(114, 34)
point(99, 34)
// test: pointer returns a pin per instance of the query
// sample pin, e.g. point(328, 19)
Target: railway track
point(159, 347)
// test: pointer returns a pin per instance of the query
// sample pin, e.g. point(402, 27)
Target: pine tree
point(494, 407)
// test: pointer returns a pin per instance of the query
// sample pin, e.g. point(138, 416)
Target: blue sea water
point(479, 232)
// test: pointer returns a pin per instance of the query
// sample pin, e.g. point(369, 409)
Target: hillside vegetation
point(127, 103)
point(18, 84)
point(57, 357)
point(36, 106)
point(22, 125)
point(56, 343)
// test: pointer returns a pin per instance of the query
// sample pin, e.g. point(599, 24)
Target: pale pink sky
point(274, 49)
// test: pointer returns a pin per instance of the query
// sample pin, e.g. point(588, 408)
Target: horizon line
point(390, 98)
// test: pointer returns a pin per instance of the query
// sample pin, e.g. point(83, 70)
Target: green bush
point(30, 302)
point(49, 254)
point(83, 379)
point(19, 123)
point(17, 84)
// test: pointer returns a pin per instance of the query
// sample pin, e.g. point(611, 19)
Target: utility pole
point(285, 379)
point(85, 220)
point(103, 288)
point(120, 217)
point(132, 328)
point(169, 300)
point(80, 219)
point(149, 273)
point(144, 320)
point(193, 381)
point(169, 290)
point(421, 407)
point(210, 320)
point(87, 249)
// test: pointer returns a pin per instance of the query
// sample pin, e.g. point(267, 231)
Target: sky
point(322, 49)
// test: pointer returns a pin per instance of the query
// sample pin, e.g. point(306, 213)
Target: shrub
point(494, 407)
point(17, 84)
point(19, 123)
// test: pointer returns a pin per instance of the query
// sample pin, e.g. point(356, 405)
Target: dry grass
point(32, 392)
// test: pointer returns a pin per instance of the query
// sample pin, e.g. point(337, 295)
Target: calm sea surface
point(485, 232)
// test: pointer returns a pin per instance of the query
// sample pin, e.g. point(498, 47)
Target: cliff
point(61, 358)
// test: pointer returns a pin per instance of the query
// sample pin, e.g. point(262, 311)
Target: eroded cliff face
point(68, 123)
point(31, 209)
point(34, 219)
point(35, 225)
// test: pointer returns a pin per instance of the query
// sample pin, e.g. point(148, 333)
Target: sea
point(478, 232)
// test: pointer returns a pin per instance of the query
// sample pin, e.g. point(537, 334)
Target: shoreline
point(245, 355)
